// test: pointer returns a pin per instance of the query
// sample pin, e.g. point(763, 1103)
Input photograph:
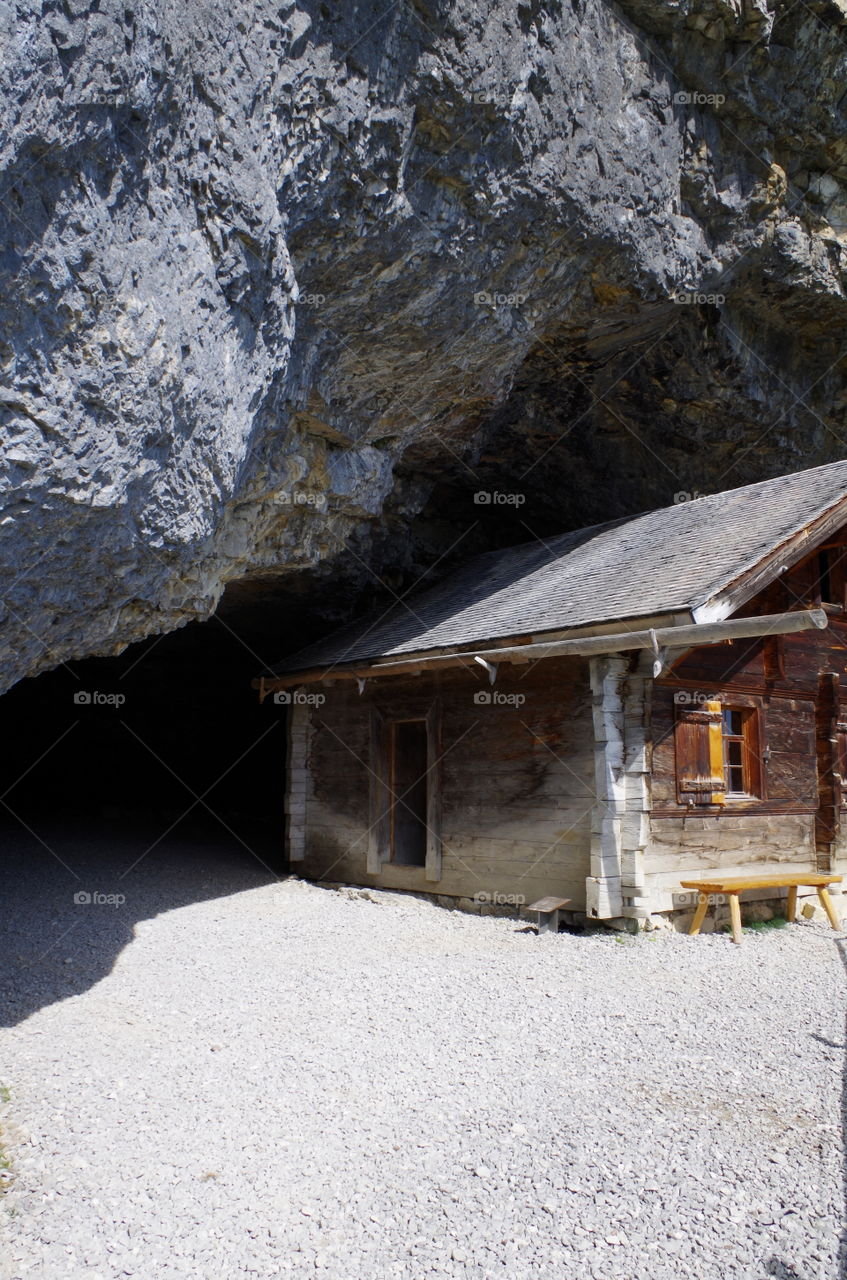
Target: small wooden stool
point(547, 913)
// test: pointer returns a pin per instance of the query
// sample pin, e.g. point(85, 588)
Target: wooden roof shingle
point(673, 560)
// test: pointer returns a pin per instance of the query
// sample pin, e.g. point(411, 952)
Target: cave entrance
point(132, 786)
point(166, 740)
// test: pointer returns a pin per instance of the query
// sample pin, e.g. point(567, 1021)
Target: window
point(736, 732)
point(407, 765)
point(717, 752)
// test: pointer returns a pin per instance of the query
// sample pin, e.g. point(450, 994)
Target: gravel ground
point(231, 1076)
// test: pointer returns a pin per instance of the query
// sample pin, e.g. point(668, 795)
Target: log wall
point(775, 831)
point(517, 781)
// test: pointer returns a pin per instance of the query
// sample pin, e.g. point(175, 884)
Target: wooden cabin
point(594, 717)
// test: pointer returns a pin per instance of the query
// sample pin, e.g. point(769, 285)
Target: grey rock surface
point(225, 1075)
point(270, 272)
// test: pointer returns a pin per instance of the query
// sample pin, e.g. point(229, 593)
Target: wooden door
point(828, 766)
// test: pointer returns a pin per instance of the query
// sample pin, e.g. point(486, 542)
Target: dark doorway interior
point(409, 788)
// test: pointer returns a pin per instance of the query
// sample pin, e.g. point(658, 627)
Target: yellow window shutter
point(715, 713)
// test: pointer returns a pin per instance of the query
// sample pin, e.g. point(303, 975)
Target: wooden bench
point(733, 887)
point(547, 913)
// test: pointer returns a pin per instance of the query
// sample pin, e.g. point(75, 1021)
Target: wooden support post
point(829, 907)
point(699, 915)
point(791, 905)
point(635, 824)
point(735, 916)
point(604, 900)
point(620, 825)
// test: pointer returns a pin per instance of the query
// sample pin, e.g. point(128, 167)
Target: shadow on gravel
point(781, 1271)
point(842, 1246)
point(71, 898)
point(776, 1267)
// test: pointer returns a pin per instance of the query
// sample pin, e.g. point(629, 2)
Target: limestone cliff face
point(274, 276)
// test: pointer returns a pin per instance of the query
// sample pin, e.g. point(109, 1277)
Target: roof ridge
point(754, 484)
point(650, 511)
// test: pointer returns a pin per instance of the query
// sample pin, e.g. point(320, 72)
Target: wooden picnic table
point(732, 887)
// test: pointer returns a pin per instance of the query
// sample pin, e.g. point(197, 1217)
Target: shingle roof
point(665, 561)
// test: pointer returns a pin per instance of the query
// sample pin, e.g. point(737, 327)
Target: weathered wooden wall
point(517, 781)
point(733, 844)
point(776, 831)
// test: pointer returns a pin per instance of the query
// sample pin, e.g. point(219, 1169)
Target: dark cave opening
point(166, 740)
point(134, 785)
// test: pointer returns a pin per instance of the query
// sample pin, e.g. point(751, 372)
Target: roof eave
point(660, 639)
point(462, 655)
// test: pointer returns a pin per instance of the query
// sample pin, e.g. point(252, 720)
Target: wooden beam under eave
point(682, 637)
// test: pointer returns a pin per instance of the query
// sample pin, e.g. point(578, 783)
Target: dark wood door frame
point(827, 815)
